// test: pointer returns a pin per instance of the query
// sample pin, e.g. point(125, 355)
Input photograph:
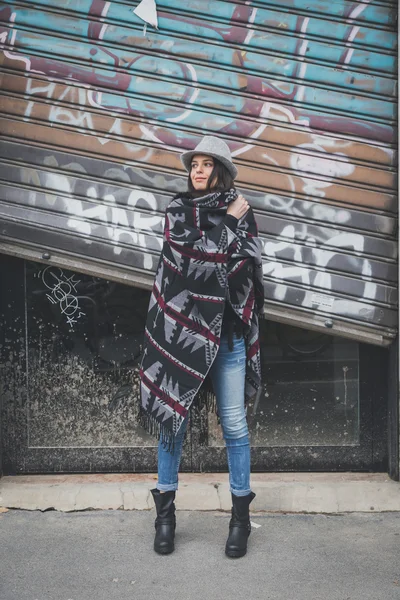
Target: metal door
point(323, 407)
point(69, 387)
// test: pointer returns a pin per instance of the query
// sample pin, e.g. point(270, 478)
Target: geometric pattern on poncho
point(203, 265)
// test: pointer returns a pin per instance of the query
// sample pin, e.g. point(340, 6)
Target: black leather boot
point(239, 526)
point(165, 522)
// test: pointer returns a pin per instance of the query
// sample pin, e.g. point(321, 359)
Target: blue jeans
point(228, 378)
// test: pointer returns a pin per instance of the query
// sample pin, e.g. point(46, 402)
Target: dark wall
point(393, 410)
point(1, 441)
point(2, 358)
point(2, 298)
point(13, 377)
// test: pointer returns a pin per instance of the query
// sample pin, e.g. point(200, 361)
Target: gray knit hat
point(211, 146)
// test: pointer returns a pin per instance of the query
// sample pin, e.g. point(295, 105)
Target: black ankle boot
point(165, 522)
point(239, 526)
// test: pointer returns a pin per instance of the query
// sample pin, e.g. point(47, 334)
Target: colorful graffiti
point(309, 119)
point(122, 71)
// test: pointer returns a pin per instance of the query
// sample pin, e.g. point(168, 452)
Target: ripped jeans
point(228, 378)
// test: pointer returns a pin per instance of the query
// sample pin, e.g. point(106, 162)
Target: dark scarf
point(203, 265)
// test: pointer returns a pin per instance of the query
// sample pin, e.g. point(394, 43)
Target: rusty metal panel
point(94, 114)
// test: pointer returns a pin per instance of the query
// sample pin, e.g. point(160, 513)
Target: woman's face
point(201, 168)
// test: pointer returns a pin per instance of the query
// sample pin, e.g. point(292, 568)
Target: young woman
point(202, 325)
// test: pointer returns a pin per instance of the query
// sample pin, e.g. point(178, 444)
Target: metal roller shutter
point(94, 113)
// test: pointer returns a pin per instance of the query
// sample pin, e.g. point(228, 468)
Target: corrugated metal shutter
point(94, 113)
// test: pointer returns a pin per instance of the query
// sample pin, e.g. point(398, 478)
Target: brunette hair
point(220, 174)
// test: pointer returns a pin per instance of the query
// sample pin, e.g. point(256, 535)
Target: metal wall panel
point(94, 113)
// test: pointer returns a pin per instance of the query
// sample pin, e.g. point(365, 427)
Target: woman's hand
point(238, 208)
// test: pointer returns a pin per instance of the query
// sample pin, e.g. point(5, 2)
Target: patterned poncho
point(203, 265)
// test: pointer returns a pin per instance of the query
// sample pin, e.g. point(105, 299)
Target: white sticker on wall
point(322, 300)
point(147, 11)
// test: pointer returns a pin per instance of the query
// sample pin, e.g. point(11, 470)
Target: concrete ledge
point(276, 492)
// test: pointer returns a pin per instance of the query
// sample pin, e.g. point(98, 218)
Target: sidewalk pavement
point(276, 492)
point(108, 555)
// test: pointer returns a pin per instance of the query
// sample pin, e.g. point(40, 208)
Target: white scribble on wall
point(63, 291)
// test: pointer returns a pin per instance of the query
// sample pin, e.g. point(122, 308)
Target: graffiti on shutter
point(94, 115)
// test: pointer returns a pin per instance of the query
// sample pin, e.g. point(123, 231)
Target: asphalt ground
point(108, 555)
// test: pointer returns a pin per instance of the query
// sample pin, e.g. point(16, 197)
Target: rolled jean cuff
point(167, 487)
point(238, 440)
point(240, 492)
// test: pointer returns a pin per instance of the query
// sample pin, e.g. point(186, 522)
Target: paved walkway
point(276, 492)
point(107, 555)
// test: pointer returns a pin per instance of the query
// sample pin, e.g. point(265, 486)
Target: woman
point(203, 323)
